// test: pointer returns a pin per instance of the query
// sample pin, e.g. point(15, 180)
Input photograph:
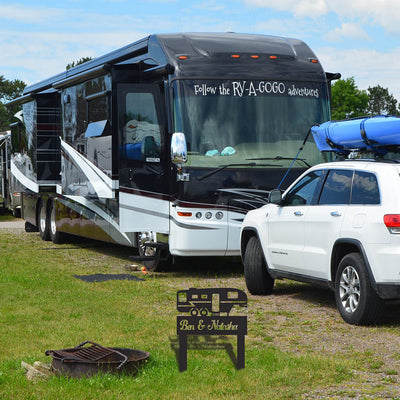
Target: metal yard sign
point(205, 307)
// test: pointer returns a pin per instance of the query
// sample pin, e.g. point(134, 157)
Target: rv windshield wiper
point(222, 167)
point(280, 158)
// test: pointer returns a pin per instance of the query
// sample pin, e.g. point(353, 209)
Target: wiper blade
point(222, 167)
point(280, 158)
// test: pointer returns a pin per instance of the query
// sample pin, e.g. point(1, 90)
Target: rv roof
point(192, 44)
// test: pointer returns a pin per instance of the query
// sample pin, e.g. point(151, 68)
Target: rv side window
point(233, 295)
point(182, 297)
point(141, 128)
point(97, 109)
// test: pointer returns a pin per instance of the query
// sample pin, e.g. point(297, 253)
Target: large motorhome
point(166, 143)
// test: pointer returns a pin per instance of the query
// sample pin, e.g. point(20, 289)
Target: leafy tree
point(381, 101)
point(9, 90)
point(78, 62)
point(347, 100)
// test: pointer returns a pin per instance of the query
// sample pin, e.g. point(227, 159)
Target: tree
point(381, 102)
point(9, 90)
point(80, 61)
point(347, 100)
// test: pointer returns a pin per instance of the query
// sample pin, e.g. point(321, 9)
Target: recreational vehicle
point(165, 144)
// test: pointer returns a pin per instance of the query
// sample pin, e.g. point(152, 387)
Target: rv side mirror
point(178, 148)
point(275, 197)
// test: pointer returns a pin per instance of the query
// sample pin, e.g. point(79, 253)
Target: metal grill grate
point(92, 354)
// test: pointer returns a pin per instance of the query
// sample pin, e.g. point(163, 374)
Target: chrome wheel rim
point(349, 290)
point(53, 221)
point(147, 237)
point(42, 218)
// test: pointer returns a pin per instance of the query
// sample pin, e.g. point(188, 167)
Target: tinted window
point(302, 193)
point(337, 188)
point(141, 130)
point(365, 189)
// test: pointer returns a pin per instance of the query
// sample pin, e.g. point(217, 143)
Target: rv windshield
point(229, 122)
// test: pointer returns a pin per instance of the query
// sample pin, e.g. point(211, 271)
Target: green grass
point(42, 306)
point(6, 216)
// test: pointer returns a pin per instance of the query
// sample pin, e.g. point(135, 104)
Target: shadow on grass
point(204, 343)
point(325, 297)
point(306, 292)
point(187, 266)
point(206, 267)
point(103, 248)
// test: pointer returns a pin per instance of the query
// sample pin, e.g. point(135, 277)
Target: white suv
point(338, 225)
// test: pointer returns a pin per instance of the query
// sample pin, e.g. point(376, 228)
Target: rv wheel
point(157, 259)
point(203, 312)
point(43, 222)
point(55, 235)
point(194, 311)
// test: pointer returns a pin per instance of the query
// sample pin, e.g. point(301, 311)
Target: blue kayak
point(367, 133)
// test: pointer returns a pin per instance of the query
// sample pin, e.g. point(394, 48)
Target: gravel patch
point(16, 224)
point(303, 319)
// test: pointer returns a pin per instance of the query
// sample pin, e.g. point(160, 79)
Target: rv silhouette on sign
point(209, 315)
point(210, 301)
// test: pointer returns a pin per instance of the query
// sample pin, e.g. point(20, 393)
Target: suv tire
point(356, 299)
point(258, 280)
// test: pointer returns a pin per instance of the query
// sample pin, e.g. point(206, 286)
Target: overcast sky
point(359, 38)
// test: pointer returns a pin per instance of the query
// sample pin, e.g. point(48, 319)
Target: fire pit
point(90, 358)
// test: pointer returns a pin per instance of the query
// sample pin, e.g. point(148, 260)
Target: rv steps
point(142, 258)
point(156, 245)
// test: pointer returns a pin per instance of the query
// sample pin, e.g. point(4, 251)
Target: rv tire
point(157, 260)
point(43, 221)
point(56, 236)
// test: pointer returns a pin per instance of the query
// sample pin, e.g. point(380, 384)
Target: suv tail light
point(392, 222)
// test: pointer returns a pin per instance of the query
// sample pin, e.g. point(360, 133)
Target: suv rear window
point(340, 185)
point(365, 189)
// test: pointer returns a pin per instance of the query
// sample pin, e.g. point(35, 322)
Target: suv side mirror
point(178, 148)
point(275, 197)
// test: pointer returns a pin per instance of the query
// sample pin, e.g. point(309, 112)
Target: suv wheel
point(356, 300)
point(258, 280)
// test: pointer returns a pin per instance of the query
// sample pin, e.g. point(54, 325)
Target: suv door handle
point(298, 213)
point(336, 214)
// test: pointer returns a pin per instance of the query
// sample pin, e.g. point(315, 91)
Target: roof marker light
point(183, 57)
point(314, 60)
point(273, 57)
point(235, 56)
point(255, 56)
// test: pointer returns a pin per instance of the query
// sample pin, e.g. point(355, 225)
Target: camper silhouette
point(210, 301)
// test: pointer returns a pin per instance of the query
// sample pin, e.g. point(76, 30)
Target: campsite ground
point(297, 344)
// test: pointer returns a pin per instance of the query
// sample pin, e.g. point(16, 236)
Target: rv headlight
point(219, 215)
